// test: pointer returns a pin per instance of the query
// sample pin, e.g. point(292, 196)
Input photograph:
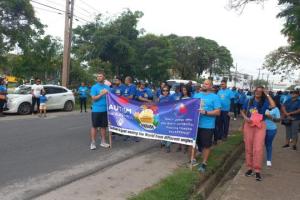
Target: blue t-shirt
point(208, 102)
point(130, 90)
point(99, 105)
point(235, 96)
point(158, 92)
point(242, 98)
point(176, 96)
point(118, 90)
point(255, 107)
point(83, 91)
point(291, 106)
point(43, 99)
point(2, 89)
point(163, 99)
point(275, 113)
point(225, 96)
point(145, 93)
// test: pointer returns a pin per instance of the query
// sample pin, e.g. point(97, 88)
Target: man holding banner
point(210, 106)
point(99, 111)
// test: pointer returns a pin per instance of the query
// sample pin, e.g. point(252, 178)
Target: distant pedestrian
point(291, 113)
point(99, 111)
point(117, 87)
point(36, 90)
point(3, 93)
point(43, 106)
point(227, 101)
point(83, 94)
point(255, 129)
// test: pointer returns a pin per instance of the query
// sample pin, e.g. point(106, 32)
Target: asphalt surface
point(38, 154)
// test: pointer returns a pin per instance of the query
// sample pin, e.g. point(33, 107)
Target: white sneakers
point(93, 145)
point(269, 163)
point(105, 145)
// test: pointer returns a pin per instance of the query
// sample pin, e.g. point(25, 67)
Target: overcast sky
point(249, 36)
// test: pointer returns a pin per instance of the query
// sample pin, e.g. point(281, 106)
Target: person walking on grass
point(99, 111)
point(291, 111)
point(83, 92)
point(210, 107)
point(272, 116)
point(43, 107)
point(254, 129)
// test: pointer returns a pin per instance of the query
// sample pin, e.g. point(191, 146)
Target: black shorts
point(204, 138)
point(99, 119)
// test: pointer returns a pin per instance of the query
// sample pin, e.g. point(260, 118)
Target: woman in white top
point(36, 91)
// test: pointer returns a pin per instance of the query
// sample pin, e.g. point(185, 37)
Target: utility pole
point(258, 73)
point(235, 75)
point(67, 42)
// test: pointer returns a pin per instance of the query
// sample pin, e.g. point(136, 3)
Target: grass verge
point(183, 182)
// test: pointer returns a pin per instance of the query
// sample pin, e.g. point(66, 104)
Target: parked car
point(58, 98)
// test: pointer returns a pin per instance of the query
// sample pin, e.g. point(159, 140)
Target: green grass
point(183, 182)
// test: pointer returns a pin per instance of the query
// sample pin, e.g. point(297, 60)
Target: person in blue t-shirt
point(291, 110)
point(43, 100)
point(235, 102)
point(83, 92)
point(143, 93)
point(177, 95)
point(117, 87)
point(165, 97)
point(210, 107)
point(3, 93)
point(99, 111)
point(227, 98)
point(159, 90)
point(130, 88)
point(272, 116)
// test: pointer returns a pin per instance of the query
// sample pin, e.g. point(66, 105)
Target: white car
point(58, 98)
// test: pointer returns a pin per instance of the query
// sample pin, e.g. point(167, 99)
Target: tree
point(154, 58)
point(18, 24)
point(282, 61)
point(260, 82)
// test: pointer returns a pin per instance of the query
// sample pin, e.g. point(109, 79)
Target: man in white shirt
point(36, 91)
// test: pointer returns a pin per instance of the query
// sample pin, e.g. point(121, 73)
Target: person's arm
point(283, 110)
point(215, 112)
point(270, 100)
point(102, 93)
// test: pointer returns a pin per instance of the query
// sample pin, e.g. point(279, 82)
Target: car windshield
point(22, 90)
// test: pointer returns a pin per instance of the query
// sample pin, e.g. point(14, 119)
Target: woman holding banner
point(165, 97)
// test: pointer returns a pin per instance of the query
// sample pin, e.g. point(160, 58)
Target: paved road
point(37, 154)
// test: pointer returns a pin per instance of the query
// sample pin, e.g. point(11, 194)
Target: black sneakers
point(286, 146)
point(248, 173)
point(258, 177)
point(294, 147)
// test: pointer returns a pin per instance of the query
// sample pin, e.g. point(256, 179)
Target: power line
point(55, 12)
point(54, 8)
point(89, 6)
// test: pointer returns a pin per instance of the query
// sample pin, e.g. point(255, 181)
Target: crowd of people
point(260, 110)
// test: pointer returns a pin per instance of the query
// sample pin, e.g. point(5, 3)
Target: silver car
point(58, 98)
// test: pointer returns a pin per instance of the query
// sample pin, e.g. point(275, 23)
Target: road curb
point(211, 180)
point(77, 177)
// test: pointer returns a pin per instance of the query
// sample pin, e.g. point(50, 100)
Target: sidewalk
point(282, 181)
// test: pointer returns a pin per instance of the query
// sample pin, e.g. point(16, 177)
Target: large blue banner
point(173, 121)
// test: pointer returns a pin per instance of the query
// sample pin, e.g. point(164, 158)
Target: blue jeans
point(222, 126)
point(270, 135)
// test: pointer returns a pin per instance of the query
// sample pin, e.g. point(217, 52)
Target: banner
point(175, 121)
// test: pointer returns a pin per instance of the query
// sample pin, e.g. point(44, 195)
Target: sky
point(249, 36)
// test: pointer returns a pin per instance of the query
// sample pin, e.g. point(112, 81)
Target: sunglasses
point(165, 90)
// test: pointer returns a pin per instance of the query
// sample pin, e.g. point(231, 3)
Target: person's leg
point(45, 111)
point(248, 140)
point(38, 104)
point(258, 147)
point(103, 135)
point(206, 142)
point(41, 112)
point(235, 110)
point(1, 107)
point(295, 130)
point(84, 104)
point(81, 102)
point(288, 135)
point(270, 135)
point(218, 129)
point(93, 134)
point(226, 120)
point(33, 104)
